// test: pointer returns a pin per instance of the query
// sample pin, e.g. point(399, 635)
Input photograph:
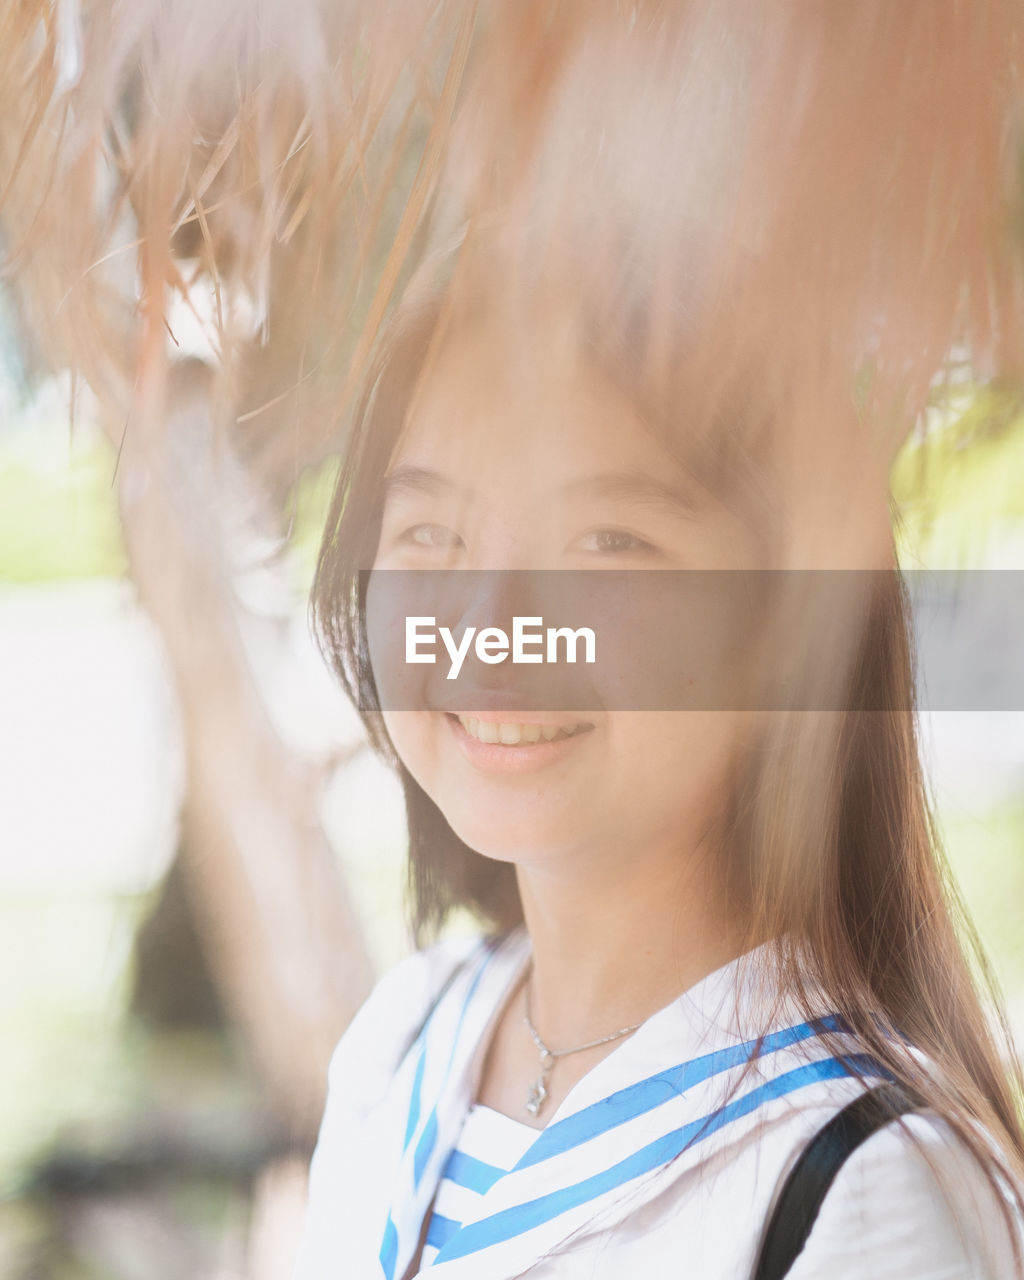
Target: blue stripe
point(390, 1244)
point(471, 1173)
point(413, 1117)
point(424, 1147)
point(441, 1230)
point(428, 1138)
point(534, 1213)
point(414, 1105)
point(644, 1095)
point(389, 1250)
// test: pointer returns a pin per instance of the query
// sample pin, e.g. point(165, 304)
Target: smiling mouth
point(513, 733)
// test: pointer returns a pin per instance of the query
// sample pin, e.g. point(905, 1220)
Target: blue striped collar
point(700, 1071)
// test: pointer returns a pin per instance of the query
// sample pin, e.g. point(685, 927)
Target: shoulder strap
point(804, 1190)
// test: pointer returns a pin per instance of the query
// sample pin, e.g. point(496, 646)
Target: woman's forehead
point(532, 401)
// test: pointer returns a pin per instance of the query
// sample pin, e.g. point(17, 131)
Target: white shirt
point(489, 1145)
point(663, 1160)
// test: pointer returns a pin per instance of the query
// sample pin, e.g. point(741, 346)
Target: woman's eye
point(432, 537)
point(613, 542)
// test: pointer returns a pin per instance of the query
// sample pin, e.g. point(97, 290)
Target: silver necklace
point(538, 1091)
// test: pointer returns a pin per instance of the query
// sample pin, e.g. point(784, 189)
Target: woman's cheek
point(668, 762)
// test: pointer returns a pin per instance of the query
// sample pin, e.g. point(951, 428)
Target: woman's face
point(533, 461)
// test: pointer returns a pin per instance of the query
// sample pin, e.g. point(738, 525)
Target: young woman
point(708, 929)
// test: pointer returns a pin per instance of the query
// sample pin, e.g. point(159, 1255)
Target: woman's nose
point(493, 597)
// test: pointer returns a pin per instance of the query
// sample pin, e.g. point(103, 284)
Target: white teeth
point(511, 734)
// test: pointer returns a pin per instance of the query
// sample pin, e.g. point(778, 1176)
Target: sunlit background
point(134, 1140)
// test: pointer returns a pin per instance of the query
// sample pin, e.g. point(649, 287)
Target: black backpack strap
point(804, 1190)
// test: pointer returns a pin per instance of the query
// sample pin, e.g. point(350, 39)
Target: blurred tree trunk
point(276, 922)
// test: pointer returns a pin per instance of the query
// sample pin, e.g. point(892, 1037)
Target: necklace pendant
point(536, 1095)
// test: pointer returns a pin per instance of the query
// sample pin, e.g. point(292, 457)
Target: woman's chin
point(511, 836)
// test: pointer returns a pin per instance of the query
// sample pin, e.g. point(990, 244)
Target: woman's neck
point(612, 948)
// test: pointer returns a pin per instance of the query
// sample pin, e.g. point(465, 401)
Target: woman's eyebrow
point(413, 479)
point(638, 488)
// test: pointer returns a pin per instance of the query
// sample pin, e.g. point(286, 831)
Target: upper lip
point(562, 719)
point(507, 707)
